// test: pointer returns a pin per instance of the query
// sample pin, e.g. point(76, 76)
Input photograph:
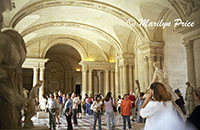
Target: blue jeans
point(110, 115)
point(124, 122)
point(97, 115)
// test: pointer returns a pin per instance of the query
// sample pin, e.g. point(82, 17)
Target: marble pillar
point(84, 82)
point(41, 90)
point(90, 89)
point(100, 77)
point(150, 68)
point(125, 80)
point(35, 75)
point(95, 85)
point(112, 88)
point(117, 81)
point(130, 77)
point(197, 60)
point(106, 82)
point(190, 63)
point(70, 82)
point(121, 80)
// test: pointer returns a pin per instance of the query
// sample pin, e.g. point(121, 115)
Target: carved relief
point(189, 6)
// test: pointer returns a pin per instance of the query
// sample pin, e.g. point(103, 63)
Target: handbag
point(114, 107)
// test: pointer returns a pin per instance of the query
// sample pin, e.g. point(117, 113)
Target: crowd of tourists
point(159, 111)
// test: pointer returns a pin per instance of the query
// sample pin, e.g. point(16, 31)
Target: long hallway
point(85, 123)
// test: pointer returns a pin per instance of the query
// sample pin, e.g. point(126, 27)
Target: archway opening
point(62, 71)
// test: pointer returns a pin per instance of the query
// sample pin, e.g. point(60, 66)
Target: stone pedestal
point(42, 114)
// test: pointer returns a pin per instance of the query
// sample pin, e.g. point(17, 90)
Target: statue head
point(156, 65)
point(187, 83)
point(39, 83)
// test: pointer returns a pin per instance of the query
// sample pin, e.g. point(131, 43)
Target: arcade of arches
point(87, 46)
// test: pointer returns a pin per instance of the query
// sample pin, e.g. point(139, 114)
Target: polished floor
point(85, 123)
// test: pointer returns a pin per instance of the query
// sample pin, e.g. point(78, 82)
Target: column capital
point(189, 45)
point(151, 45)
point(150, 58)
point(106, 70)
point(42, 68)
point(35, 69)
point(90, 70)
point(112, 71)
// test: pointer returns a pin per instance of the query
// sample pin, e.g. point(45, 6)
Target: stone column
point(70, 82)
point(190, 63)
point(151, 69)
point(121, 80)
point(130, 78)
point(117, 80)
point(35, 76)
point(84, 81)
point(112, 88)
point(106, 81)
point(99, 73)
point(41, 90)
point(197, 60)
point(125, 80)
point(95, 85)
point(90, 82)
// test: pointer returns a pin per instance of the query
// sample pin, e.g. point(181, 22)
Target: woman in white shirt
point(160, 114)
point(96, 107)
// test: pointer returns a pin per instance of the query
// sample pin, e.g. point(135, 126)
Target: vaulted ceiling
point(101, 22)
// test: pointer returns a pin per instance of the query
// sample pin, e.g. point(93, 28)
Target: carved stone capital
point(189, 45)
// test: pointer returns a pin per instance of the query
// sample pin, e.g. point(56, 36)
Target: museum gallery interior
point(97, 46)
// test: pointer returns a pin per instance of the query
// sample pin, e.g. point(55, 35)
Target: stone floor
point(85, 123)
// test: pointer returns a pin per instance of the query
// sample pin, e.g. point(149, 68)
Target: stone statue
point(29, 110)
point(12, 56)
point(189, 98)
point(158, 76)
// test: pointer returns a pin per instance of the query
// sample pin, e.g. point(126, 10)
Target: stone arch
point(121, 14)
point(66, 41)
point(75, 25)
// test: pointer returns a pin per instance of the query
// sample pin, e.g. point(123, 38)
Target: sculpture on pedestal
point(189, 98)
point(158, 76)
point(29, 110)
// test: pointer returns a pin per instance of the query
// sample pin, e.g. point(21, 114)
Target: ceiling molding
point(96, 30)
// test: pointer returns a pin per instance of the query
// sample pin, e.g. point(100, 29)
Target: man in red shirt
point(133, 99)
point(126, 108)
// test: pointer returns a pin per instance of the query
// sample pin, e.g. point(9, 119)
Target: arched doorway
point(62, 70)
